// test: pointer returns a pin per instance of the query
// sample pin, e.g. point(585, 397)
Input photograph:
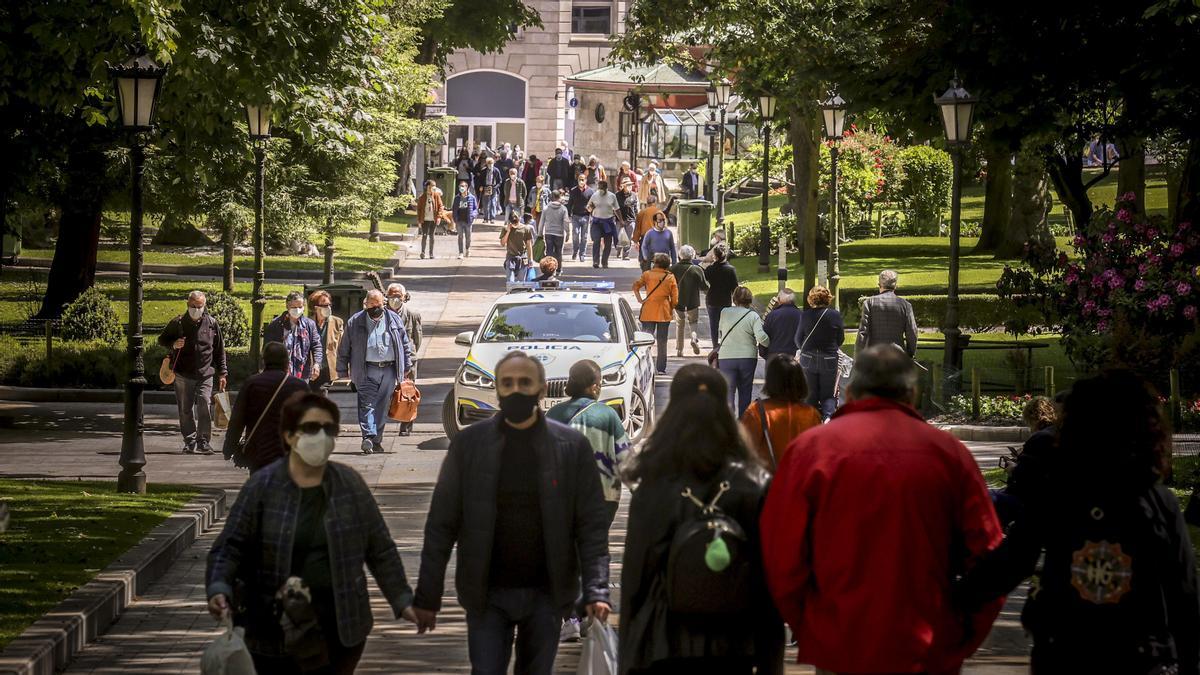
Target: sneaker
point(377, 449)
point(422, 255)
point(189, 450)
point(679, 354)
point(405, 432)
point(570, 631)
point(662, 372)
point(695, 345)
point(468, 253)
point(366, 446)
point(460, 256)
point(596, 266)
point(205, 449)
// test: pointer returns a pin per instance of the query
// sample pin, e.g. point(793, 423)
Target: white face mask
point(314, 449)
point(195, 313)
point(660, 226)
point(324, 312)
point(296, 312)
point(395, 303)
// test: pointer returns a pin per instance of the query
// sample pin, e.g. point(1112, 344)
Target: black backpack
point(709, 564)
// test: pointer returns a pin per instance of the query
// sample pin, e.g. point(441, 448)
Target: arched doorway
point(489, 106)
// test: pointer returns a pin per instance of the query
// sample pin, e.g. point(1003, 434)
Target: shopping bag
point(406, 399)
point(227, 654)
point(221, 410)
point(599, 653)
point(622, 238)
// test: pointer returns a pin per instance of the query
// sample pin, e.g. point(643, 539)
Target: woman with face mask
point(330, 329)
point(325, 515)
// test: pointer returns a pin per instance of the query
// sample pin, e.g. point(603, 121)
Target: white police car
point(558, 324)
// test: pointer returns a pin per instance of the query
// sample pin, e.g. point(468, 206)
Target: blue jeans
point(464, 234)
point(527, 611)
point(510, 208)
point(579, 230)
point(739, 373)
point(554, 246)
point(659, 329)
point(820, 371)
point(488, 203)
point(374, 396)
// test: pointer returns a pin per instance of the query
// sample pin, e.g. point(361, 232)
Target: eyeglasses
point(329, 428)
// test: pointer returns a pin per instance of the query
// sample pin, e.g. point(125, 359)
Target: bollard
point(1049, 377)
point(937, 385)
point(975, 393)
point(783, 272)
point(49, 340)
point(1176, 403)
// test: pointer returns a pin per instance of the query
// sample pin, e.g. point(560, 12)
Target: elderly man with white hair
point(887, 318)
point(374, 353)
point(197, 354)
point(397, 301)
point(690, 277)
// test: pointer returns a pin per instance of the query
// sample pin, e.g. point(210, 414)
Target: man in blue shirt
point(374, 353)
point(659, 240)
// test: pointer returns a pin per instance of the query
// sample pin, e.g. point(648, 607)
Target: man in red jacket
point(867, 522)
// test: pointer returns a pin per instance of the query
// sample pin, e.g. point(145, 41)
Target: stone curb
point(50, 395)
point(986, 434)
point(51, 643)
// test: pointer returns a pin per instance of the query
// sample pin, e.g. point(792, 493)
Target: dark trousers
point(527, 612)
point(601, 234)
point(739, 373)
point(821, 372)
point(554, 247)
point(714, 320)
point(342, 661)
point(427, 229)
point(660, 329)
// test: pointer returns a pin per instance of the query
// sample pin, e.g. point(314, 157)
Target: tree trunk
point(73, 269)
point(998, 198)
point(1066, 174)
point(806, 165)
point(373, 233)
point(1131, 171)
point(1187, 202)
point(1030, 206)
point(327, 278)
point(227, 260)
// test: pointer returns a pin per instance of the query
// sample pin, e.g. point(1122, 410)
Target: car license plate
point(548, 403)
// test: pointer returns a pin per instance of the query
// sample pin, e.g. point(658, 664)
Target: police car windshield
point(551, 322)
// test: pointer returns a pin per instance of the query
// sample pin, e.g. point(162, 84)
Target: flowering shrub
point(925, 187)
point(1191, 415)
point(863, 158)
point(995, 409)
point(1129, 296)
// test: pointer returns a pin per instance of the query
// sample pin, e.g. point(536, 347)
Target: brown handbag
point(406, 399)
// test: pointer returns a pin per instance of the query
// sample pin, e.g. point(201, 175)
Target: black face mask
point(374, 312)
point(517, 407)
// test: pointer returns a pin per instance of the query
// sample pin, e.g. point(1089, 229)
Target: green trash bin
point(11, 248)
point(347, 298)
point(444, 177)
point(695, 222)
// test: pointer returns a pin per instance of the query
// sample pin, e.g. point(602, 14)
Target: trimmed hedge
point(976, 311)
point(91, 365)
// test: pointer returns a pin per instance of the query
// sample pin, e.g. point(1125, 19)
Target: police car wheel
point(449, 423)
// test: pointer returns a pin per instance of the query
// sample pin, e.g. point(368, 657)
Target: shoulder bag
point(239, 453)
point(800, 352)
point(766, 431)
point(713, 358)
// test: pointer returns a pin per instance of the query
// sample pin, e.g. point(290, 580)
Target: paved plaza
point(166, 628)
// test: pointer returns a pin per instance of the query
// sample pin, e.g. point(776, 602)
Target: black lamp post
point(766, 110)
point(722, 89)
point(258, 122)
point(957, 109)
point(833, 115)
point(138, 82)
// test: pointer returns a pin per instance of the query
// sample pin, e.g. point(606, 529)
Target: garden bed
point(62, 533)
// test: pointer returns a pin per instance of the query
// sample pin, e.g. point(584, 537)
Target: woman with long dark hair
point(695, 455)
point(1117, 591)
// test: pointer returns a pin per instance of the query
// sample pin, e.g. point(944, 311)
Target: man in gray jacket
point(554, 227)
point(887, 318)
point(374, 353)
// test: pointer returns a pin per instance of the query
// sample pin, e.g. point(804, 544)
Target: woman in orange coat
point(658, 304)
point(788, 415)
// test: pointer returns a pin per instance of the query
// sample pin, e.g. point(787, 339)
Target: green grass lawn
point(352, 254)
point(21, 293)
point(62, 533)
point(394, 224)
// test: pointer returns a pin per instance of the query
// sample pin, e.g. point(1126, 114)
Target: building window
point(591, 18)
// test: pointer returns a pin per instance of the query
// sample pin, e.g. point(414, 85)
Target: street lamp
point(766, 110)
point(719, 98)
point(258, 123)
point(138, 82)
point(957, 109)
point(833, 115)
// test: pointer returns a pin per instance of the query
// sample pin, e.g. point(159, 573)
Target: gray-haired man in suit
point(887, 318)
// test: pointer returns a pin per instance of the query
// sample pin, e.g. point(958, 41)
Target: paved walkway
point(167, 628)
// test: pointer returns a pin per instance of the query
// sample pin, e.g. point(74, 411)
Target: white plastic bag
point(227, 655)
point(599, 653)
point(623, 238)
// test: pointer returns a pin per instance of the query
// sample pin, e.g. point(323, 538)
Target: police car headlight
point(473, 378)
point(613, 376)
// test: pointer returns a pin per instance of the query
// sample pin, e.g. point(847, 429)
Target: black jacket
point(463, 512)
point(691, 281)
point(781, 325)
point(1117, 592)
point(265, 446)
point(577, 200)
point(203, 352)
point(649, 631)
point(722, 279)
point(559, 169)
point(819, 336)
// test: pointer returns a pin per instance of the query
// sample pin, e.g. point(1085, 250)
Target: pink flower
point(1142, 268)
point(1184, 226)
point(1152, 233)
point(1080, 240)
point(1116, 282)
point(1190, 311)
point(1102, 326)
point(1183, 288)
point(1089, 307)
point(1104, 312)
point(1128, 197)
point(1176, 250)
point(1070, 278)
point(1107, 237)
point(1124, 216)
point(1139, 285)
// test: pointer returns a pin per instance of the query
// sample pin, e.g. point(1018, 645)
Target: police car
point(558, 324)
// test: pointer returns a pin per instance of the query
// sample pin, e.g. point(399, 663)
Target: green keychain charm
point(716, 554)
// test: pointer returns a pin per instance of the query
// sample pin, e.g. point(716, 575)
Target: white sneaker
point(460, 256)
point(570, 631)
